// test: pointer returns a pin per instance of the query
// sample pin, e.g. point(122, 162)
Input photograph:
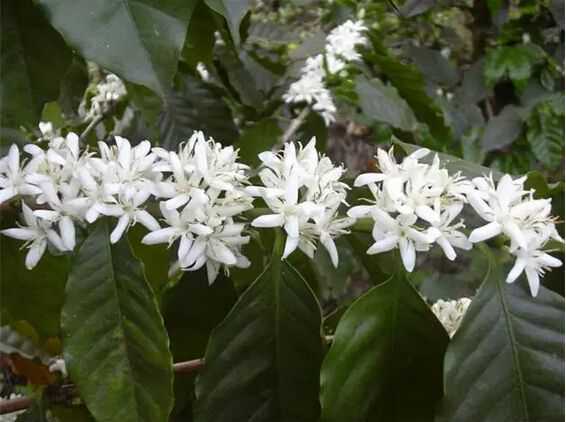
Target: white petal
point(330, 246)
point(67, 229)
point(485, 232)
point(7, 193)
point(20, 234)
point(212, 270)
point(200, 229)
point(516, 271)
point(408, 253)
point(269, 220)
point(56, 240)
point(367, 178)
point(534, 281)
point(35, 253)
point(360, 211)
point(221, 253)
point(547, 260)
point(197, 250)
point(446, 248)
point(121, 226)
point(383, 245)
point(511, 229)
point(292, 226)
point(292, 190)
point(147, 220)
point(177, 201)
point(427, 213)
point(14, 158)
point(290, 245)
point(184, 246)
point(159, 236)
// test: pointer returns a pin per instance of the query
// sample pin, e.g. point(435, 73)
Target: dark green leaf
point(506, 361)
point(264, 358)
point(411, 86)
point(258, 138)
point(138, 40)
point(413, 8)
point(434, 66)
point(195, 107)
point(385, 363)
point(73, 86)
point(115, 344)
point(383, 104)
point(502, 129)
point(32, 295)
point(200, 37)
point(473, 88)
point(33, 59)
point(233, 11)
point(545, 133)
point(513, 62)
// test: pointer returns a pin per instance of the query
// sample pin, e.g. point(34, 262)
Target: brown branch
point(22, 403)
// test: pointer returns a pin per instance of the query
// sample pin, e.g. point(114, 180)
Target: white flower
point(58, 365)
point(202, 71)
point(204, 187)
point(36, 233)
point(342, 40)
point(303, 191)
point(13, 177)
point(413, 206)
point(108, 92)
point(532, 260)
point(450, 313)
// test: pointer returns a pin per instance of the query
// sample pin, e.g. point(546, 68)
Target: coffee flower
point(311, 87)
point(450, 313)
point(414, 206)
point(303, 191)
point(511, 210)
point(204, 191)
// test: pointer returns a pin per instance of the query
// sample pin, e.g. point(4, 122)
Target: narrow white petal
point(516, 271)
point(200, 229)
point(184, 246)
point(512, 230)
point(121, 226)
point(7, 193)
point(147, 220)
point(367, 178)
point(408, 253)
point(269, 220)
point(56, 240)
point(35, 253)
point(485, 232)
point(446, 248)
point(360, 211)
point(292, 226)
point(547, 260)
point(330, 246)
point(197, 250)
point(67, 229)
point(159, 236)
point(383, 245)
point(212, 270)
point(427, 213)
point(534, 280)
point(177, 201)
point(290, 245)
point(222, 253)
point(20, 234)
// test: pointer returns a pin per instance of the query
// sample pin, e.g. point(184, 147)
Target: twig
point(21, 403)
point(295, 124)
point(92, 125)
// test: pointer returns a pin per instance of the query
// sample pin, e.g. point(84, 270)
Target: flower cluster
point(203, 188)
point(304, 192)
point(513, 211)
point(66, 187)
point(414, 206)
point(450, 313)
point(339, 50)
point(107, 93)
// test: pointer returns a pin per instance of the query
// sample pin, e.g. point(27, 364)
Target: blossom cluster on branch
point(195, 200)
point(340, 49)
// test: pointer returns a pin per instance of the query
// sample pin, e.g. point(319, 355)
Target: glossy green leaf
point(33, 59)
point(200, 36)
point(411, 86)
point(139, 40)
point(382, 103)
point(433, 65)
point(195, 107)
point(506, 361)
point(115, 344)
point(513, 62)
point(545, 134)
point(258, 138)
point(263, 360)
point(34, 295)
point(502, 129)
point(385, 363)
point(233, 11)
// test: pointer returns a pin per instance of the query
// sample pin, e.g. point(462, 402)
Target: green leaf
point(258, 138)
point(502, 129)
point(138, 40)
point(545, 133)
point(385, 363)
point(411, 86)
point(264, 358)
point(200, 37)
point(382, 103)
point(115, 344)
point(505, 362)
point(34, 295)
point(513, 62)
point(233, 11)
point(191, 309)
point(434, 66)
point(195, 107)
point(73, 87)
point(33, 59)
point(453, 164)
